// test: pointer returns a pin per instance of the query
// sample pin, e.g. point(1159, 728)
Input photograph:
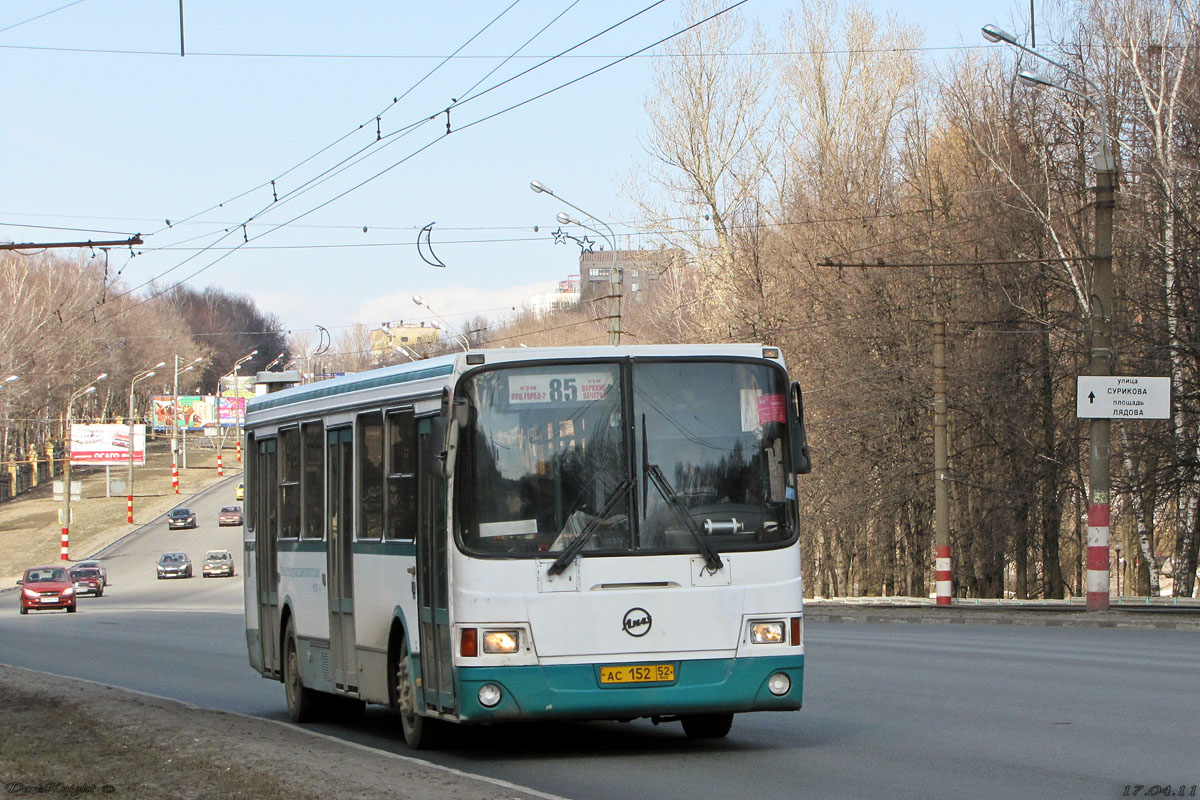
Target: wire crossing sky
point(297, 150)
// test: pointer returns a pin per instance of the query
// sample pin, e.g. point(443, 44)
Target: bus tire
point(707, 726)
point(303, 703)
point(420, 732)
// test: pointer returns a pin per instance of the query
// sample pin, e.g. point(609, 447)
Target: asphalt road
point(890, 710)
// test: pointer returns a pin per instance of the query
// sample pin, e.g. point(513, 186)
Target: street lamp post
point(459, 339)
point(1100, 323)
point(4, 448)
point(236, 415)
point(237, 418)
point(614, 277)
point(175, 423)
point(66, 507)
point(141, 376)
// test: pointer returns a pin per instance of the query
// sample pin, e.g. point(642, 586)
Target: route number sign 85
point(558, 388)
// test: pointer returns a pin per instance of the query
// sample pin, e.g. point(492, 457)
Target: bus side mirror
point(801, 458)
point(454, 411)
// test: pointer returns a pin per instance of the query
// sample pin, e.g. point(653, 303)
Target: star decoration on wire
point(586, 245)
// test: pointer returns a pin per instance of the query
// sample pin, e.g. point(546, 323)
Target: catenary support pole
point(941, 515)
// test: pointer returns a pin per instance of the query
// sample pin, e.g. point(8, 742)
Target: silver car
point(218, 563)
point(174, 565)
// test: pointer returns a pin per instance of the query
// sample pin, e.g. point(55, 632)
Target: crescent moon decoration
point(424, 236)
point(323, 343)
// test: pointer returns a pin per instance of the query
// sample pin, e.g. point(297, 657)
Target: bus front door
point(437, 676)
point(264, 516)
point(340, 559)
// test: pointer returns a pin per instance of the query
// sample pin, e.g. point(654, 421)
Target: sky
point(106, 131)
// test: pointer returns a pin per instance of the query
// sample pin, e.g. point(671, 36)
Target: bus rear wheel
point(302, 702)
point(420, 732)
point(707, 726)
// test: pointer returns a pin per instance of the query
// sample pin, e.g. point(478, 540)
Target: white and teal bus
point(552, 533)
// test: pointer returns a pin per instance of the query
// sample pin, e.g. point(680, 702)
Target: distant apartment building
point(391, 337)
point(638, 272)
point(566, 296)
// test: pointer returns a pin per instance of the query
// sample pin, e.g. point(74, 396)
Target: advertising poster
point(231, 411)
point(195, 413)
point(198, 414)
point(106, 444)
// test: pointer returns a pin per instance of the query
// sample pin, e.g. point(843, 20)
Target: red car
point(47, 587)
point(87, 580)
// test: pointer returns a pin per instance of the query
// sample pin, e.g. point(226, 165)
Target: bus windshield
point(642, 457)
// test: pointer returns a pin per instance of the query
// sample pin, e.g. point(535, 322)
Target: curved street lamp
point(66, 507)
point(1099, 480)
point(175, 420)
point(459, 339)
point(614, 277)
point(237, 416)
point(141, 376)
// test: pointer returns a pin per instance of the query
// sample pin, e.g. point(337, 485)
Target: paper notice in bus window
point(770, 408)
point(516, 527)
point(563, 388)
point(758, 409)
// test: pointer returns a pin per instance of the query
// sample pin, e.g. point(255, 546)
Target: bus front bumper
point(575, 691)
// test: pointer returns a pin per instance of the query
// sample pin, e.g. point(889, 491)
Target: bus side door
point(433, 593)
point(263, 499)
point(340, 495)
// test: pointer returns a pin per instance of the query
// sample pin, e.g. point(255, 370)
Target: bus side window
point(401, 512)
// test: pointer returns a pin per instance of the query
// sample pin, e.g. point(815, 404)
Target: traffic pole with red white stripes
point(65, 555)
point(174, 475)
point(942, 580)
point(239, 449)
point(130, 515)
point(220, 469)
point(1097, 555)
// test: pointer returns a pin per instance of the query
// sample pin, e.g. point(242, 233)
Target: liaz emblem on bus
point(565, 387)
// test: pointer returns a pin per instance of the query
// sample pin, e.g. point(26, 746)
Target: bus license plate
point(638, 673)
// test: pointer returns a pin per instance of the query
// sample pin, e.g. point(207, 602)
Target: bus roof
point(446, 366)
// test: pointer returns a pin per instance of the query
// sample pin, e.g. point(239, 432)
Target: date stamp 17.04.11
point(1159, 790)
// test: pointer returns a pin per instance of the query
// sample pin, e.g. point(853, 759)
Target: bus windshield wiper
point(652, 471)
point(575, 545)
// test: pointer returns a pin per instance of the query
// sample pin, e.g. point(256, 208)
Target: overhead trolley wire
point(247, 239)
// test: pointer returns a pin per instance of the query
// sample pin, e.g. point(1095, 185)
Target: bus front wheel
point(707, 726)
point(420, 732)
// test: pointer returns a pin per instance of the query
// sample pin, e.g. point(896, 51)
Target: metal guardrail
point(1188, 603)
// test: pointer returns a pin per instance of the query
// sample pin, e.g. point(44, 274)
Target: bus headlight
point(779, 684)
point(501, 642)
point(767, 632)
point(489, 695)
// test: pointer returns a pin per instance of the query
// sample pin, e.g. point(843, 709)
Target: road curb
point(1144, 619)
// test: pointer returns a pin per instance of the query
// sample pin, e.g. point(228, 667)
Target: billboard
point(198, 413)
point(106, 444)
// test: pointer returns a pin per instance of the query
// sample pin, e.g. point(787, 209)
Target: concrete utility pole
point(1100, 323)
point(941, 496)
